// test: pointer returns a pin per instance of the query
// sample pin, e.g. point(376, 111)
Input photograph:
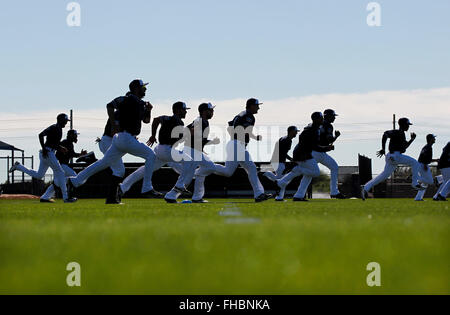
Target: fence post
point(7, 169)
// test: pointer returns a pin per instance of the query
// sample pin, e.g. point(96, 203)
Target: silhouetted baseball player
point(397, 147)
point(241, 131)
point(307, 166)
point(170, 136)
point(444, 167)
point(329, 137)
point(64, 159)
point(132, 112)
point(425, 158)
point(47, 156)
point(280, 154)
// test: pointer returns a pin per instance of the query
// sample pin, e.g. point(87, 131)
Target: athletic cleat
point(170, 200)
point(70, 200)
point(279, 200)
point(263, 197)
point(153, 194)
point(47, 200)
point(364, 194)
point(338, 196)
point(419, 200)
point(14, 167)
point(441, 198)
point(70, 188)
point(120, 193)
point(200, 201)
point(300, 199)
point(113, 202)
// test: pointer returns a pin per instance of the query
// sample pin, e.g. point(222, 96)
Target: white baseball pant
point(117, 167)
point(326, 160)
point(137, 175)
point(392, 161)
point(122, 144)
point(236, 154)
point(308, 169)
point(444, 189)
point(45, 163)
point(427, 179)
point(50, 192)
point(279, 169)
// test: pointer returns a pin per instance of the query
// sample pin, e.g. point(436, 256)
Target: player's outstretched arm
point(382, 152)
point(155, 125)
point(42, 142)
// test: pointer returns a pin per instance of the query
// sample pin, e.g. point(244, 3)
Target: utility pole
point(71, 127)
point(71, 119)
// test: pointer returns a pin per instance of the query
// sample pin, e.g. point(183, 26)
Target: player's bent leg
point(302, 188)
point(331, 164)
point(415, 167)
point(252, 173)
point(113, 154)
point(48, 194)
point(43, 167)
point(131, 179)
point(199, 188)
point(389, 168)
point(58, 174)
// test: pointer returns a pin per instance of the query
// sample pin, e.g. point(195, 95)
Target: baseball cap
point(292, 128)
point(316, 115)
point(180, 105)
point(72, 132)
point(205, 106)
point(63, 117)
point(253, 101)
point(136, 84)
point(431, 136)
point(404, 121)
point(330, 112)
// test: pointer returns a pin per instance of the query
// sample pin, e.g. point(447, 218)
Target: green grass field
point(225, 247)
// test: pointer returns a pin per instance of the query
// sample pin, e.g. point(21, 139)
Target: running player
point(397, 147)
point(64, 159)
point(50, 140)
point(132, 112)
point(280, 154)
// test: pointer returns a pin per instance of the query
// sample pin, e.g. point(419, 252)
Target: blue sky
point(219, 51)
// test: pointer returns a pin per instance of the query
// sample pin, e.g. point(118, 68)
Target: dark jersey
point(65, 158)
point(115, 104)
point(131, 114)
point(168, 123)
point(202, 139)
point(307, 142)
point(281, 150)
point(444, 161)
point(397, 141)
point(244, 120)
point(53, 136)
point(326, 136)
point(426, 155)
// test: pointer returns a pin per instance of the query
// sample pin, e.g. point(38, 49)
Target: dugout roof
point(7, 147)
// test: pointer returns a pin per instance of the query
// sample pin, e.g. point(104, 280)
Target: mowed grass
point(225, 247)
